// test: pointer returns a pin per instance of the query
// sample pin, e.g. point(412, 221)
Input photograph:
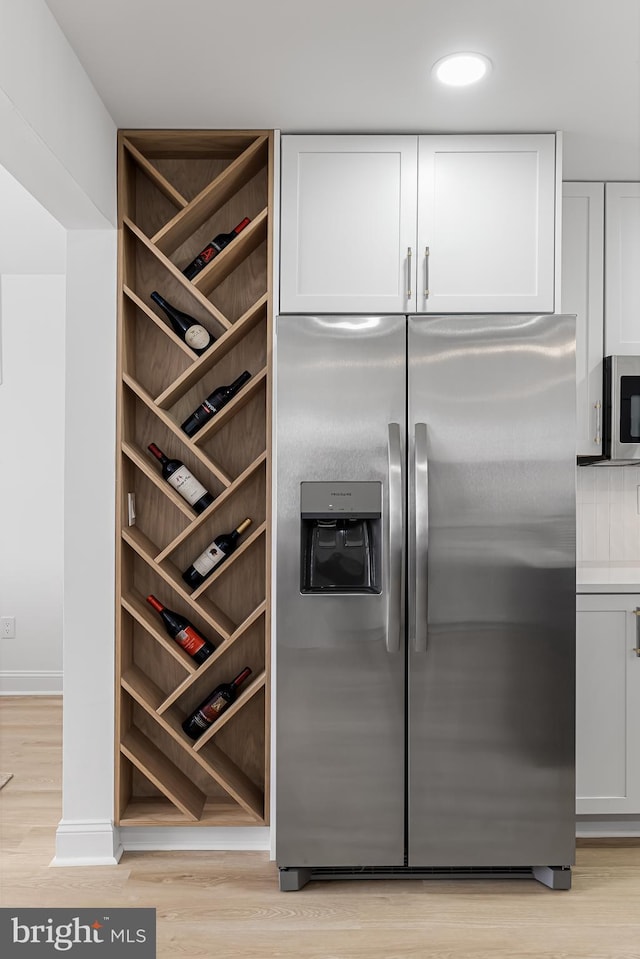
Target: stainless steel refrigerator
point(425, 598)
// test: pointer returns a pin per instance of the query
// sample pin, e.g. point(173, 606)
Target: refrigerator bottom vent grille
point(424, 872)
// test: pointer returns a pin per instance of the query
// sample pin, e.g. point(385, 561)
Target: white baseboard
point(608, 827)
point(100, 843)
point(166, 838)
point(36, 682)
point(86, 842)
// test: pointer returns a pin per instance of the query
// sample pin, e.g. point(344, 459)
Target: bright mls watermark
point(80, 933)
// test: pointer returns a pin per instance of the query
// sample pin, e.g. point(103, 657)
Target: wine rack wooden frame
point(176, 190)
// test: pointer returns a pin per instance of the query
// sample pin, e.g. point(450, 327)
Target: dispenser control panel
point(319, 500)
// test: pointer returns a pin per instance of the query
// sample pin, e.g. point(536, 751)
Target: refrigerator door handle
point(395, 539)
point(421, 560)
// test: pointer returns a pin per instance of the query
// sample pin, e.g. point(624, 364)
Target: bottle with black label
point(187, 327)
point(215, 554)
point(183, 481)
point(212, 249)
point(213, 404)
point(184, 633)
point(215, 704)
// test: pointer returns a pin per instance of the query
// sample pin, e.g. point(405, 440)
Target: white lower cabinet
point(608, 704)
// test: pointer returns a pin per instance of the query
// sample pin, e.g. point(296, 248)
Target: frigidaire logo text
point(66, 935)
point(334, 493)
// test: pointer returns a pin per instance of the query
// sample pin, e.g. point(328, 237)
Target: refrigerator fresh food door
point(491, 587)
point(340, 688)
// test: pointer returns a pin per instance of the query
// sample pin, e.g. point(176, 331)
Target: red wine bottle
point(212, 249)
point(213, 403)
point(187, 327)
point(215, 554)
point(185, 635)
point(183, 481)
point(215, 703)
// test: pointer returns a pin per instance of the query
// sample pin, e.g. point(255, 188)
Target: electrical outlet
point(8, 627)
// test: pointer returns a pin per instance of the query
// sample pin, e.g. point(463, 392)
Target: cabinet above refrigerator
point(419, 224)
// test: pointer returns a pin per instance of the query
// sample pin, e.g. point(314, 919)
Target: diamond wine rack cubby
point(177, 190)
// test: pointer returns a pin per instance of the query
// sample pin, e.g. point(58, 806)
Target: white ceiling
point(364, 66)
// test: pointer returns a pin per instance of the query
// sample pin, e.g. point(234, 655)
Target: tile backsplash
point(608, 522)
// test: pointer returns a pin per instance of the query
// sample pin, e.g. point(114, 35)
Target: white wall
point(31, 481)
point(31, 240)
point(58, 138)
point(85, 833)
point(32, 331)
point(608, 518)
point(59, 141)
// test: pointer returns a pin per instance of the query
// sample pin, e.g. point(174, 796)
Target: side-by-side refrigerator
point(425, 610)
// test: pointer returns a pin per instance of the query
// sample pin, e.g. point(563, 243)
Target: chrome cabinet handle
point(421, 562)
point(426, 272)
point(636, 649)
point(395, 539)
point(598, 436)
point(409, 256)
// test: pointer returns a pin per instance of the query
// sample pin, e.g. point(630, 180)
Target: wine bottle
point(183, 481)
point(221, 548)
point(213, 403)
point(215, 703)
point(187, 327)
point(184, 633)
point(213, 248)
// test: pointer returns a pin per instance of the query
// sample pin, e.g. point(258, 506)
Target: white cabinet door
point(348, 222)
point(357, 219)
point(622, 269)
point(583, 294)
point(608, 705)
point(486, 216)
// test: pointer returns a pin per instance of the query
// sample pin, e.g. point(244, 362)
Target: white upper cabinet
point(348, 220)
point(360, 212)
point(583, 294)
point(486, 216)
point(622, 269)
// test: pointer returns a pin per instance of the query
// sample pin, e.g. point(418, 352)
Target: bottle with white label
point(215, 554)
point(183, 481)
point(187, 327)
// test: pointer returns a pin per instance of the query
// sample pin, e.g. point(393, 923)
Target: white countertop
point(613, 577)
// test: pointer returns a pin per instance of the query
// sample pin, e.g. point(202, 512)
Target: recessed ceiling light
point(460, 69)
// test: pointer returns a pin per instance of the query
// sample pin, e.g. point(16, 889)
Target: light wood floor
point(211, 904)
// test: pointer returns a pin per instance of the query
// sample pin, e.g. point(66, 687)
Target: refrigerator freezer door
point(491, 693)
point(340, 689)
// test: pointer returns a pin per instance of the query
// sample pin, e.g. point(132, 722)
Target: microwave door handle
point(421, 554)
point(395, 538)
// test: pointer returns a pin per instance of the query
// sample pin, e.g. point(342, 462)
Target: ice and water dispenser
point(340, 526)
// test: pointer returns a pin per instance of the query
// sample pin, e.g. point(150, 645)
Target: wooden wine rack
point(177, 190)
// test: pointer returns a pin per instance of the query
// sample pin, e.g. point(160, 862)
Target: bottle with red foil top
point(213, 403)
point(213, 248)
point(215, 704)
point(184, 633)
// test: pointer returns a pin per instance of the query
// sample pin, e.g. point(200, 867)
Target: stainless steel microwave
point(621, 420)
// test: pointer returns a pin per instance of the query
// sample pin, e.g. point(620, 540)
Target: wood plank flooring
point(211, 903)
